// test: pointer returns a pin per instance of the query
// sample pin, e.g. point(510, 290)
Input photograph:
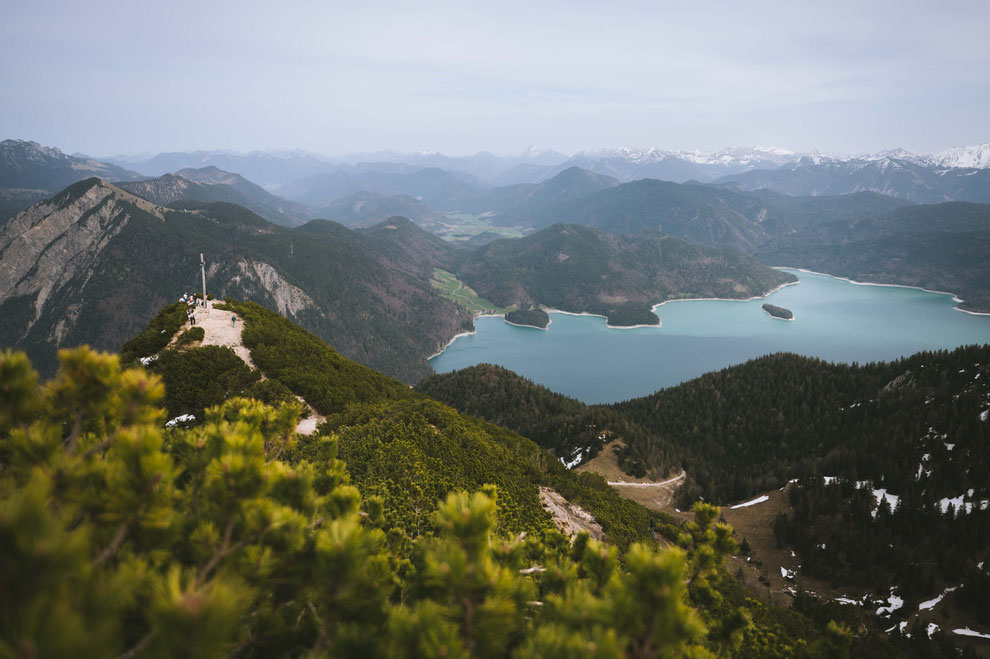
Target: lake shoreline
point(598, 315)
point(955, 296)
point(584, 362)
point(530, 326)
point(625, 327)
point(456, 336)
point(733, 299)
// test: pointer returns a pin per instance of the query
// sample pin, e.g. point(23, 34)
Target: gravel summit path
point(220, 331)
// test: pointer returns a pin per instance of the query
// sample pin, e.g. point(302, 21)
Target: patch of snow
point(182, 418)
point(821, 546)
point(846, 600)
point(966, 631)
point(929, 604)
point(932, 628)
point(949, 447)
point(829, 479)
point(755, 501)
point(147, 360)
point(958, 503)
point(895, 603)
point(575, 462)
point(983, 415)
point(793, 555)
point(787, 574)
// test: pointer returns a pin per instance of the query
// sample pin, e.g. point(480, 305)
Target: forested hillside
point(367, 208)
point(267, 534)
point(888, 463)
point(716, 216)
point(562, 425)
point(577, 268)
point(943, 247)
point(237, 538)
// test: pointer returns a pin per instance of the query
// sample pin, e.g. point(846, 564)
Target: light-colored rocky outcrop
point(289, 299)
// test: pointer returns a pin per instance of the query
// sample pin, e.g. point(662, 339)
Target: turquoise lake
point(833, 319)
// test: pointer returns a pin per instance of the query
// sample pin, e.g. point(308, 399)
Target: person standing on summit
point(233, 321)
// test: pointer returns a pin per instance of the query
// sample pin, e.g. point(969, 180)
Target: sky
point(108, 78)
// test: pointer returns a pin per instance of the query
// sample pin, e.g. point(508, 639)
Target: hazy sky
point(337, 77)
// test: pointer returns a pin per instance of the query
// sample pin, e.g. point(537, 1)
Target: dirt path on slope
point(220, 331)
point(658, 495)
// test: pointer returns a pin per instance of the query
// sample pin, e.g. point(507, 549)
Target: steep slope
point(893, 176)
point(398, 443)
point(94, 263)
point(30, 172)
point(578, 268)
point(944, 247)
point(367, 208)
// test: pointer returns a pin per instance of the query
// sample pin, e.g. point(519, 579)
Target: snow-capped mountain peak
point(976, 156)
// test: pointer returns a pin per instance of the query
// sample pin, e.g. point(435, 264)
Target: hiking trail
point(220, 331)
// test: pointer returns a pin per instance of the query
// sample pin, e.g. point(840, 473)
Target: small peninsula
point(778, 312)
point(530, 317)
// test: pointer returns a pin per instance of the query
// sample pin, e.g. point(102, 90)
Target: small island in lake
point(632, 315)
point(530, 317)
point(778, 312)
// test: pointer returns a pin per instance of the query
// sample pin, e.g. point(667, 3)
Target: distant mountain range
point(266, 169)
point(896, 175)
point(440, 189)
point(703, 214)
point(624, 163)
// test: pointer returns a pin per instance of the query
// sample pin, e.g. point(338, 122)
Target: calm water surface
point(833, 319)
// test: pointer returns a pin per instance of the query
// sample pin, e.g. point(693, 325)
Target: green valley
point(455, 290)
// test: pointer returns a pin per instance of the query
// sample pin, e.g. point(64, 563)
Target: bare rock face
point(569, 517)
point(289, 299)
point(53, 242)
